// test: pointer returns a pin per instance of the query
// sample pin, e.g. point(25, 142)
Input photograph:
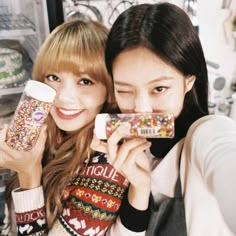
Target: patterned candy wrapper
point(147, 125)
point(29, 116)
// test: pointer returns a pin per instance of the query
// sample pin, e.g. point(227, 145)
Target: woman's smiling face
point(78, 100)
point(143, 82)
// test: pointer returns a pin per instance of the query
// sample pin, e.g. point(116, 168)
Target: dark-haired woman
point(184, 185)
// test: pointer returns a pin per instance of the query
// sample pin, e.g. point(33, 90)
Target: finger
point(125, 149)
point(8, 151)
point(121, 132)
point(130, 167)
point(98, 145)
point(3, 133)
point(5, 159)
point(143, 161)
point(138, 153)
point(40, 144)
point(2, 158)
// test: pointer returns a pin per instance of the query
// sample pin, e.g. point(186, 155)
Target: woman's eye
point(123, 91)
point(160, 89)
point(86, 82)
point(52, 78)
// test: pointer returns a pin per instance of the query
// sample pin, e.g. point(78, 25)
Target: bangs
point(76, 50)
point(75, 62)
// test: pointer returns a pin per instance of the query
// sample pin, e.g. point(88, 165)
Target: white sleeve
point(213, 147)
point(28, 200)
point(118, 229)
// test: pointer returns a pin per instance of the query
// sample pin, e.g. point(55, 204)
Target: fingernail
point(125, 128)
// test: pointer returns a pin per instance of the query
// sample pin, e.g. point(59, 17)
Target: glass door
point(23, 28)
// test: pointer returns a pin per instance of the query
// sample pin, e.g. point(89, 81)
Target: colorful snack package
point(147, 125)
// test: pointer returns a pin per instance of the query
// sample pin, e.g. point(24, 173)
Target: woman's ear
point(189, 82)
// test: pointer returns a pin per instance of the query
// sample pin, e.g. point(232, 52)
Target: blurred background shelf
point(12, 25)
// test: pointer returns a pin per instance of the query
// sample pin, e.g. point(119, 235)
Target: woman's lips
point(68, 114)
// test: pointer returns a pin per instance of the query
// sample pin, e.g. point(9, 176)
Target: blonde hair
point(69, 47)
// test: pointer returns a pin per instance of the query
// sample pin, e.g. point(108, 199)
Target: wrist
point(30, 180)
point(139, 197)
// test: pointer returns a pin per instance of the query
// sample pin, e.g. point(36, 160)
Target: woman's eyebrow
point(164, 78)
point(121, 83)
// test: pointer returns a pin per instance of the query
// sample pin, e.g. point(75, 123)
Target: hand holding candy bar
point(130, 160)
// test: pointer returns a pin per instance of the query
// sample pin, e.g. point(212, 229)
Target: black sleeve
point(133, 219)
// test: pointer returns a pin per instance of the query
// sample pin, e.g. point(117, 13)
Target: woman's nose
point(67, 93)
point(143, 104)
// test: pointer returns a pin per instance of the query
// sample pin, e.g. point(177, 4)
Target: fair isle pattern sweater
point(90, 203)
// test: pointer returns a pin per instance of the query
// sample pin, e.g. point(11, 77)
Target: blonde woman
point(62, 187)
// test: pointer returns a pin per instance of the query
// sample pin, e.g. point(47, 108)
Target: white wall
point(215, 32)
point(216, 36)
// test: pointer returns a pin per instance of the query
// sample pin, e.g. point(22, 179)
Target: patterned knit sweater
point(90, 203)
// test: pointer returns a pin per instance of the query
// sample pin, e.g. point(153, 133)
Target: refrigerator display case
point(24, 25)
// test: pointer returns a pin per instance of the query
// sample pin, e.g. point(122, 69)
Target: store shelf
point(14, 90)
point(15, 25)
point(15, 33)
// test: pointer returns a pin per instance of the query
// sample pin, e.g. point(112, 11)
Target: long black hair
point(167, 31)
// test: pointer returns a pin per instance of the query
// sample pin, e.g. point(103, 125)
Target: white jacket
point(208, 177)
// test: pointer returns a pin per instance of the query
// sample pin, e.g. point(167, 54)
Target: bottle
point(211, 107)
point(31, 112)
point(147, 125)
